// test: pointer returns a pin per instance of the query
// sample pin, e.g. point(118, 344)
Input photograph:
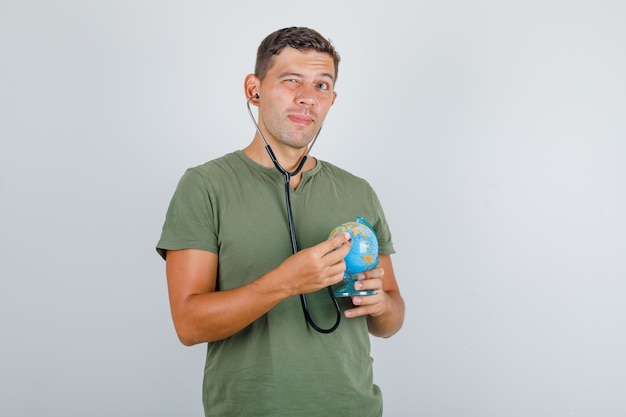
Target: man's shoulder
point(338, 172)
point(217, 165)
point(226, 159)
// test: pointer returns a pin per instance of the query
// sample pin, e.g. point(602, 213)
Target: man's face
point(296, 94)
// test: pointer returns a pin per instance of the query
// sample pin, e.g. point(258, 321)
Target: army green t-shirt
point(277, 366)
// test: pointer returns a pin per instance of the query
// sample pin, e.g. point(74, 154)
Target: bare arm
point(201, 314)
point(385, 309)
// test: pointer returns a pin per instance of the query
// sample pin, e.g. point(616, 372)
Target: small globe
point(363, 254)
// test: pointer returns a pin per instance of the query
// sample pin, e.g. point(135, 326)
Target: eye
point(323, 86)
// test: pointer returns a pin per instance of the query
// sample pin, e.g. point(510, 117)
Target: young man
point(233, 278)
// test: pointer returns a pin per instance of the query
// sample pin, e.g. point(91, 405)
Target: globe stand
point(348, 289)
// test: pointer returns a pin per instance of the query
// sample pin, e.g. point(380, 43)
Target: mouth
point(301, 119)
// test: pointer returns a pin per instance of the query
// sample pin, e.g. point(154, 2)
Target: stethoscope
point(292, 231)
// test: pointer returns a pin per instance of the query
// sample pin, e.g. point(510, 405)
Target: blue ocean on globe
point(363, 254)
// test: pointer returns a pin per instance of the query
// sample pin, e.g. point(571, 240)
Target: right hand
point(316, 267)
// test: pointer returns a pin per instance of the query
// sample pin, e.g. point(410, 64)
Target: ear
point(334, 98)
point(251, 88)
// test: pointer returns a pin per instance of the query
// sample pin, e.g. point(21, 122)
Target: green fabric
point(277, 366)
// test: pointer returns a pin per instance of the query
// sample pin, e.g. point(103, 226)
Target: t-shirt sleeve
point(381, 227)
point(190, 221)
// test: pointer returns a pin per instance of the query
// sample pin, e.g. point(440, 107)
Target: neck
point(288, 158)
point(289, 161)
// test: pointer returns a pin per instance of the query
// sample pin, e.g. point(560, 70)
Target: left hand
point(372, 305)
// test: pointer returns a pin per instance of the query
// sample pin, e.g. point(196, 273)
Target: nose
point(305, 96)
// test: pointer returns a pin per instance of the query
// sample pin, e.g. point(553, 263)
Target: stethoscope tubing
point(292, 231)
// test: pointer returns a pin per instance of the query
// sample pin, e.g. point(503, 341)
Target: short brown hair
point(300, 38)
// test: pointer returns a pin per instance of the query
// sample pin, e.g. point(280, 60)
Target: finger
point(364, 300)
point(372, 273)
point(366, 305)
point(369, 284)
point(336, 244)
point(360, 311)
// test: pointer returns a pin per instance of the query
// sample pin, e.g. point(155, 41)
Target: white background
point(493, 131)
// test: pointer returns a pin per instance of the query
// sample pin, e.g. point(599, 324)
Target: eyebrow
point(296, 74)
